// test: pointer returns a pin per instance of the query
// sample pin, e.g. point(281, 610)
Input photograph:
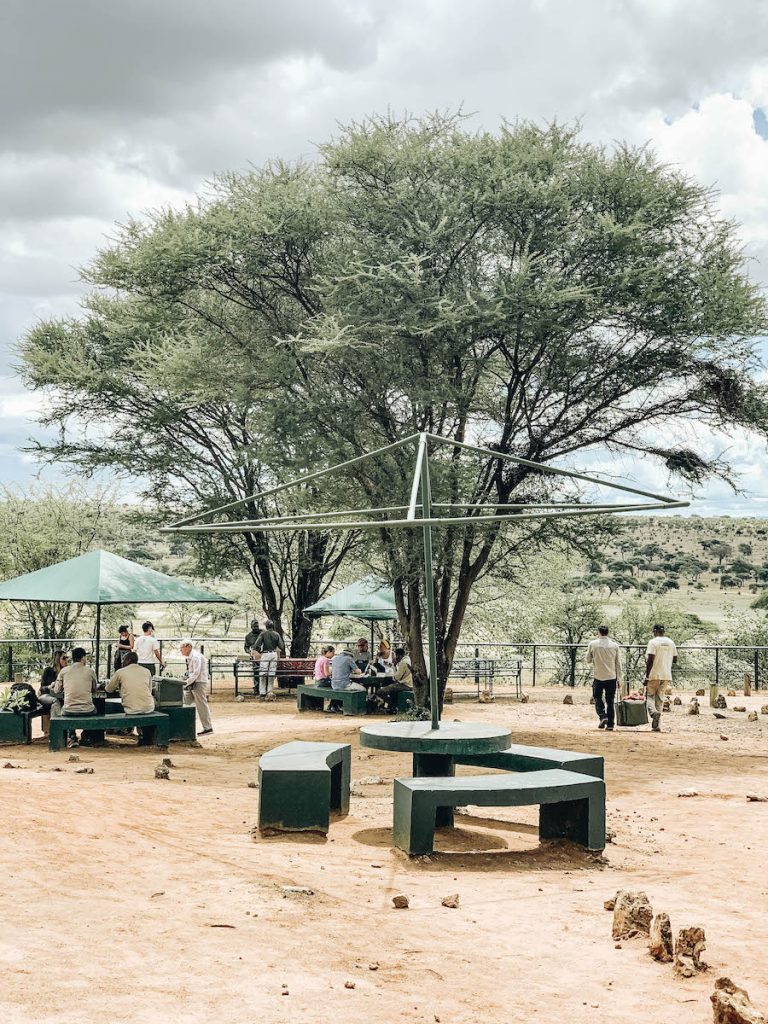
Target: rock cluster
point(689, 946)
point(660, 944)
point(720, 702)
point(731, 1005)
point(632, 915)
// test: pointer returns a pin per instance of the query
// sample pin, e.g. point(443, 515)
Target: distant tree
point(727, 580)
point(745, 549)
point(720, 550)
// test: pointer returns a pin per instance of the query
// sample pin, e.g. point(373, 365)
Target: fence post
point(573, 666)
point(717, 666)
point(757, 670)
point(10, 663)
point(533, 667)
point(477, 670)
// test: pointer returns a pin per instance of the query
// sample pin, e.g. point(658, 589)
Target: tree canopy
point(524, 290)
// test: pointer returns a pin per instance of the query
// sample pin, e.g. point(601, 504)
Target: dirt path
point(129, 899)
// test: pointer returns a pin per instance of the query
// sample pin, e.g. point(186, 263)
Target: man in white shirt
point(147, 648)
point(604, 657)
point(196, 686)
point(660, 656)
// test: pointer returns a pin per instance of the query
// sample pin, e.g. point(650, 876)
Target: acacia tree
point(523, 289)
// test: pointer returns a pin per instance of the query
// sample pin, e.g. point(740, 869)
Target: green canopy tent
point(368, 599)
point(100, 578)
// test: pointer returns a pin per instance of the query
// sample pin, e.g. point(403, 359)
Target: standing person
point(386, 696)
point(76, 683)
point(135, 685)
point(125, 641)
point(660, 656)
point(196, 686)
point(604, 657)
point(147, 648)
point(250, 648)
point(268, 643)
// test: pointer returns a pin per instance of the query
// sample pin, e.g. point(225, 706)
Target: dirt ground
point(131, 899)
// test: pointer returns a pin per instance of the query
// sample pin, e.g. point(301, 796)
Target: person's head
point(329, 651)
point(602, 630)
point(122, 631)
point(362, 644)
point(269, 624)
point(147, 627)
point(384, 646)
point(60, 660)
point(78, 655)
point(399, 653)
point(658, 629)
point(186, 647)
point(131, 658)
point(254, 625)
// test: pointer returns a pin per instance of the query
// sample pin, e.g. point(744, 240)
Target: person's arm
point(114, 683)
point(58, 686)
point(589, 658)
point(674, 655)
point(649, 659)
point(618, 666)
point(195, 670)
point(158, 655)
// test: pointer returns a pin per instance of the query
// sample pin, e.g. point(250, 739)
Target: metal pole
point(10, 662)
point(429, 587)
point(98, 636)
point(757, 669)
point(717, 666)
point(533, 667)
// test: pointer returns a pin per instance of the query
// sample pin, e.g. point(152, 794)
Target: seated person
point(383, 661)
point(76, 684)
point(362, 654)
point(134, 683)
point(323, 666)
point(343, 670)
point(386, 696)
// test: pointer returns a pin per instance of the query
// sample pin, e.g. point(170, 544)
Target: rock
point(747, 684)
point(720, 702)
point(677, 700)
point(452, 902)
point(632, 914)
point(253, 785)
point(72, 758)
point(240, 698)
point(168, 762)
point(731, 693)
point(524, 698)
point(717, 714)
point(689, 946)
point(568, 699)
point(162, 772)
point(373, 967)
point(688, 792)
point(370, 780)
point(693, 708)
point(486, 697)
point(757, 798)
point(9, 765)
point(84, 771)
point(700, 693)
point(752, 716)
point(349, 984)
point(740, 709)
point(356, 792)
point(448, 695)
point(296, 890)
point(660, 945)
point(731, 1005)
point(723, 737)
point(764, 709)
point(610, 903)
point(400, 902)
point(610, 835)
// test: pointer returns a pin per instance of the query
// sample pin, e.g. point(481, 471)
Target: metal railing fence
point(543, 664)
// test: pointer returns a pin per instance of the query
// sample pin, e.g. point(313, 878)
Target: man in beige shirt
point(76, 683)
point(134, 682)
point(603, 655)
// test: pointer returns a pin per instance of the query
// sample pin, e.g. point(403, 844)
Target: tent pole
point(98, 637)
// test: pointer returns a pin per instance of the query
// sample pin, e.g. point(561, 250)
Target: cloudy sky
point(117, 106)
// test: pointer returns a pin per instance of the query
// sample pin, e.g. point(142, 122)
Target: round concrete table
point(434, 750)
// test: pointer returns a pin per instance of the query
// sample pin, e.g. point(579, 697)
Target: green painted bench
point(310, 698)
point(571, 806)
point(16, 726)
point(100, 723)
point(300, 783)
point(522, 758)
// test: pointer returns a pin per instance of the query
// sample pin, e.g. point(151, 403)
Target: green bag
point(631, 712)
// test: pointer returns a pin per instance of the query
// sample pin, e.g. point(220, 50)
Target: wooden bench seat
point(522, 758)
point(300, 783)
point(155, 721)
point(571, 806)
point(310, 698)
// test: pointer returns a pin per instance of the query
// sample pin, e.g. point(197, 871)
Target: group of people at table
point(69, 685)
point(384, 675)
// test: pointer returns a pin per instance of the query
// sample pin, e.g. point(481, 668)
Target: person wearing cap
point(196, 685)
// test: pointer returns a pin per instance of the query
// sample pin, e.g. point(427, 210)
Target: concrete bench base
point(521, 758)
point(310, 698)
point(300, 783)
point(571, 806)
point(155, 721)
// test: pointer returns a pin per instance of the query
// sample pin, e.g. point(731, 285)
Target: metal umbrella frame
point(420, 515)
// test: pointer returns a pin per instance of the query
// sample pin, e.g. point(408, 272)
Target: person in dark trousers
point(603, 654)
point(270, 645)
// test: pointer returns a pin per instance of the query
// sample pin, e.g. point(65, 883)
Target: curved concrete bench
point(571, 806)
point(521, 758)
point(300, 783)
